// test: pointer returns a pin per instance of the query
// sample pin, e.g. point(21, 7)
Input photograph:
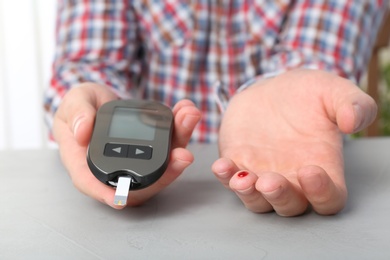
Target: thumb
point(81, 123)
point(355, 110)
point(78, 109)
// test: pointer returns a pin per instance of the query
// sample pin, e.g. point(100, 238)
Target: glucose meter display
point(130, 123)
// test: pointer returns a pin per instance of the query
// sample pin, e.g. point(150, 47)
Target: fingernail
point(189, 121)
point(223, 175)
point(77, 123)
point(246, 191)
point(358, 117)
point(273, 194)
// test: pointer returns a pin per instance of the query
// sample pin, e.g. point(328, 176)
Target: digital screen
point(132, 123)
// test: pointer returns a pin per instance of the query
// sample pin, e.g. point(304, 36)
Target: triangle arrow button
point(117, 150)
point(139, 151)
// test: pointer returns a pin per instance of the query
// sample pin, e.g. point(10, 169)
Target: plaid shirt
point(176, 49)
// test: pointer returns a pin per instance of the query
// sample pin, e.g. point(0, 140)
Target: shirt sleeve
point(95, 42)
point(336, 36)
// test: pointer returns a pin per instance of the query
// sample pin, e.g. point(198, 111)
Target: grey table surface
point(44, 217)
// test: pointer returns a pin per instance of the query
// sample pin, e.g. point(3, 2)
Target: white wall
point(26, 49)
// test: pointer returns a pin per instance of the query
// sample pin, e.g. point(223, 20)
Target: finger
point(186, 117)
point(180, 159)
point(80, 120)
point(87, 183)
point(224, 169)
point(73, 156)
point(78, 109)
point(326, 196)
point(284, 197)
point(351, 107)
point(180, 104)
point(243, 184)
point(354, 116)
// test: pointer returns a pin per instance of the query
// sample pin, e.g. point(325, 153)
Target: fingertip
point(185, 107)
point(243, 182)
point(358, 112)
point(182, 155)
point(223, 168)
point(82, 128)
point(180, 159)
point(326, 196)
point(182, 103)
point(190, 121)
point(86, 183)
point(78, 109)
point(186, 118)
point(364, 114)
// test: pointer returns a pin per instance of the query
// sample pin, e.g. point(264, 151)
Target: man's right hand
point(73, 126)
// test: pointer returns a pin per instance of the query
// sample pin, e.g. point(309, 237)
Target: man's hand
point(73, 125)
point(281, 142)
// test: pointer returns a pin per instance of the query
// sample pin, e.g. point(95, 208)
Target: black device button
point(140, 152)
point(116, 150)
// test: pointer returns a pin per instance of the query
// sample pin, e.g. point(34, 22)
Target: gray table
point(43, 216)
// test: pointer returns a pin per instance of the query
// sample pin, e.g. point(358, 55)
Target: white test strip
point(122, 191)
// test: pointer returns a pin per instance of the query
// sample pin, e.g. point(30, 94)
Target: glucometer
point(130, 145)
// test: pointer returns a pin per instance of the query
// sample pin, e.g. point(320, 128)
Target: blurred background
point(26, 50)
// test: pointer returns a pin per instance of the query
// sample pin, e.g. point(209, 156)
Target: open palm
point(281, 142)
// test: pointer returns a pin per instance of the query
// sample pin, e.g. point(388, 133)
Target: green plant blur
point(384, 105)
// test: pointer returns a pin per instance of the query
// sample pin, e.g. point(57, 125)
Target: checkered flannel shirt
point(175, 49)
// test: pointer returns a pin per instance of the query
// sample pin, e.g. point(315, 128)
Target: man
point(283, 72)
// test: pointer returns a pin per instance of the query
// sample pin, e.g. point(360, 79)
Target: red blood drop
point(243, 174)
